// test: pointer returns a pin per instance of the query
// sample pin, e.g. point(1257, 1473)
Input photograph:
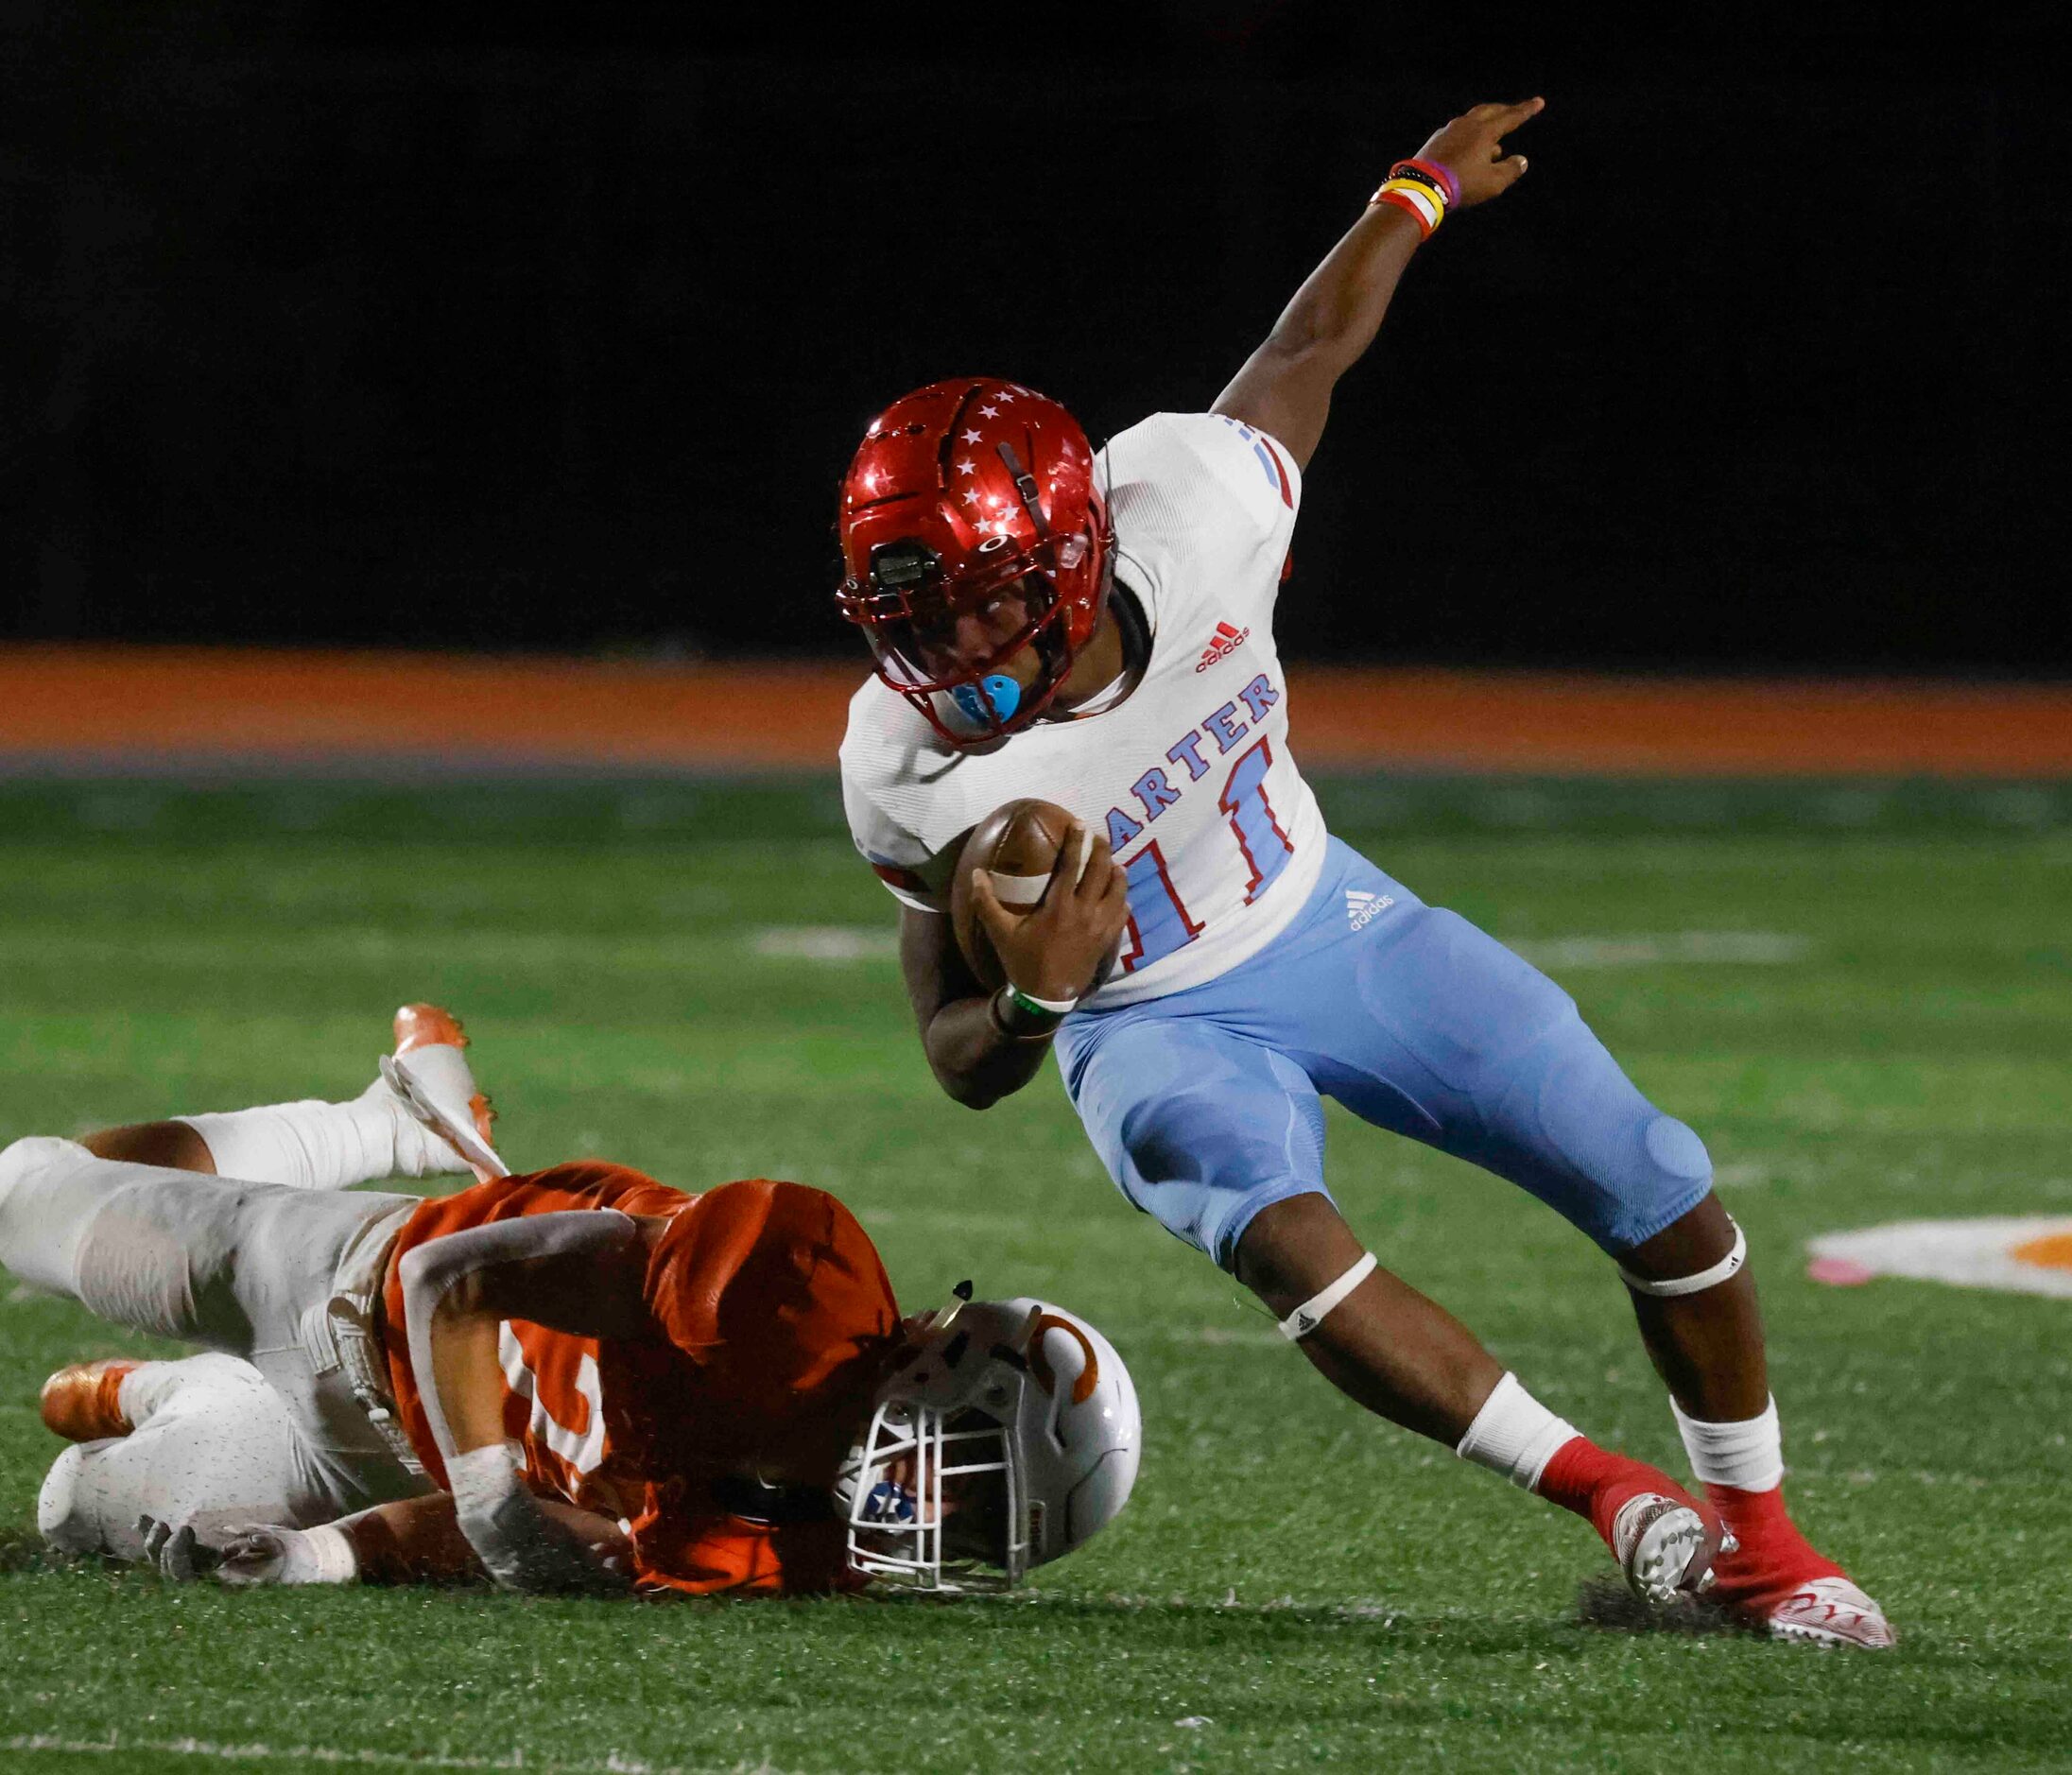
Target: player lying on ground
point(580, 1379)
point(1097, 631)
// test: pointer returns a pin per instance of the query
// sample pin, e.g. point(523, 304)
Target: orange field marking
point(128, 705)
point(2052, 1251)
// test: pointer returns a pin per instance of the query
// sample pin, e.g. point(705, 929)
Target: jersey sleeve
point(1202, 498)
point(1256, 472)
point(911, 874)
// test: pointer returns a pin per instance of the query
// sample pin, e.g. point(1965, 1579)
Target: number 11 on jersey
point(1159, 921)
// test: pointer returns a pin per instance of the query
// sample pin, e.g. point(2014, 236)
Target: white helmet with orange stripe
point(1007, 1438)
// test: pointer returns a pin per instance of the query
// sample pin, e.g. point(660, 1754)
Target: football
point(1017, 845)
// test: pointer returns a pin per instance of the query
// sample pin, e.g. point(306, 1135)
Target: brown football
point(1018, 845)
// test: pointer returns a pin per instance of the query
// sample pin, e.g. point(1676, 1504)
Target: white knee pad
point(63, 1517)
point(21, 1158)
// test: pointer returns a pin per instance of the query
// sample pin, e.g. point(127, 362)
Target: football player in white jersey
point(1097, 630)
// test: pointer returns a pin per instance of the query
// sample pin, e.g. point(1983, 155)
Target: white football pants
point(254, 1270)
point(213, 1448)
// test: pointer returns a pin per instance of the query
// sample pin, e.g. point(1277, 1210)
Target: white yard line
point(948, 1220)
point(1758, 948)
point(826, 942)
point(113, 1744)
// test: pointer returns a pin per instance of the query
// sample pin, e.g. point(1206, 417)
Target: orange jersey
point(774, 1319)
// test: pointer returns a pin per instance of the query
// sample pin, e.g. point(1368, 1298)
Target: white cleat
point(431, 1075)
point(1831, 1611)
point(1665, 1548)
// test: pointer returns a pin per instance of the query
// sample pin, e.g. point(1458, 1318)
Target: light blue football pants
point(1204, 1105)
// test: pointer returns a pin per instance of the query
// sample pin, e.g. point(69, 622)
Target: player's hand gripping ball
point(1038, 898)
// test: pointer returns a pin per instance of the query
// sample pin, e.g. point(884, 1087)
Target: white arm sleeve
point(496, 1512)
point(429, 1271)
point(522, 1547)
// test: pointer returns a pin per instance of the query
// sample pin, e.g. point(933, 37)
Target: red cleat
point(82, 1401)
point(1776, 1582)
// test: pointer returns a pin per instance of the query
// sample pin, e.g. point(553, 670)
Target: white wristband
point(1056, 1006)
point(333, 1559)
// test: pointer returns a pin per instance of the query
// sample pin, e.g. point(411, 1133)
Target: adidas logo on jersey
point(1362, 908)
point(1227, 642)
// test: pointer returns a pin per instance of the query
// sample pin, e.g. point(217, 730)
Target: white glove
point(260, 1554)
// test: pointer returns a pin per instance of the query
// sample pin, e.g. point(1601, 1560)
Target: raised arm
point(1285, 386)
point(580, 1272)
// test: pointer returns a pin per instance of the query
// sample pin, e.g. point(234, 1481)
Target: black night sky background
point(336, 326)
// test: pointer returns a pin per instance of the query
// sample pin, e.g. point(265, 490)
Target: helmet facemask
point(1005, 1438)
point(933, 1498)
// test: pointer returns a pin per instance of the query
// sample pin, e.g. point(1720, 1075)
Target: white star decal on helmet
point(971, 437)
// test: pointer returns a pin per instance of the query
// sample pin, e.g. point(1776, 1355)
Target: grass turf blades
point(1306, 1587)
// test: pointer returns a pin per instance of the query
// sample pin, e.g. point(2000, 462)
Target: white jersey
point(1190, 774)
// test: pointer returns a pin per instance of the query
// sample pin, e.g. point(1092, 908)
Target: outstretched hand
point(1472, 149)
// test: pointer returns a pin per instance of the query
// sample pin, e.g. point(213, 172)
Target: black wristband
point(1016, 1022)
point(1418, 176)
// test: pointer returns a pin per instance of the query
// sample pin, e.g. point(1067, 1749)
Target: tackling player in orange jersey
point(577, 1380)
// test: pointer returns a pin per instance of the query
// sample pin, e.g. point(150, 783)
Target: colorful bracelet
point(1423, 206)
point(1441, 176)
point(1403, 173)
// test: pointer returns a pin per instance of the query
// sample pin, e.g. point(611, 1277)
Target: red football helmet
point(972, 529)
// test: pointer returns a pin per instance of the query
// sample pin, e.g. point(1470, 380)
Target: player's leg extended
point(423, 1116)
point(1510, 1077)
point(1694, 1296)
point(201, 1443)
point(253, 1270)
point(1223, 1140)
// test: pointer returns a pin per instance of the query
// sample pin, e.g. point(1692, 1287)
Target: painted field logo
point(2021, 1254)
point(1362, 908)
point(1227, 642)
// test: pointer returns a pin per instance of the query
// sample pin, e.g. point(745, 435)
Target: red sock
point(1773, 1555)
point(1594, 1482)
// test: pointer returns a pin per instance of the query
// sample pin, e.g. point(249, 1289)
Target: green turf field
point(1861, 996)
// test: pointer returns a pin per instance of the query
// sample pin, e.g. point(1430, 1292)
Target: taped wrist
point(504, 1525)
point(324, 1555)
